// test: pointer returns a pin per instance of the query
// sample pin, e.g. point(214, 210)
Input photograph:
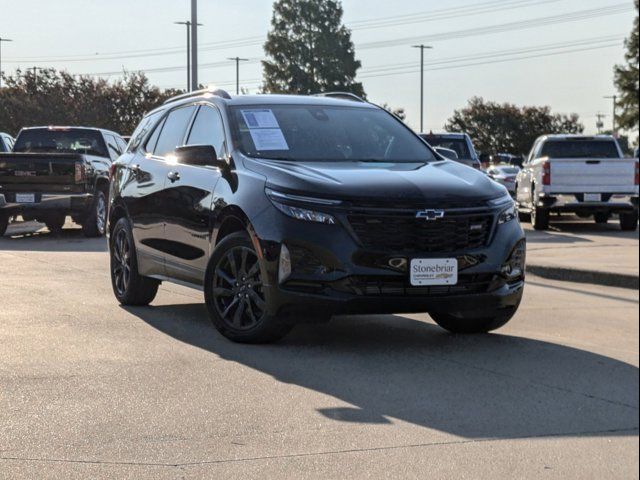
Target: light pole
point(422, 49)
point(194, 45)
point(615, 99)
point(2, 40)
point(188, 25)
point(238, 60)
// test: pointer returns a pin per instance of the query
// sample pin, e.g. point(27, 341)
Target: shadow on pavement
point(390, 368)
point(38, 238)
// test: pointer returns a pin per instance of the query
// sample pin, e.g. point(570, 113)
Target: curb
point(607, 279)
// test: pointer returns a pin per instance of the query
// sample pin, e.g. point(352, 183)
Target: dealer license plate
point(25, 198)
point(433, 271)
point(592, 197)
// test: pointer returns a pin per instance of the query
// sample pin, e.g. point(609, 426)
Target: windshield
point(579, 149)
point(458, 145)
point(508, 170)
point(73, 140)
point(325, 133)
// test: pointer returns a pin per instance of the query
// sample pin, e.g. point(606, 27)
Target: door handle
point(173, 176)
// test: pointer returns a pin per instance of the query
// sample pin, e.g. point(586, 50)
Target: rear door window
point(173, 130)
point(143, 129)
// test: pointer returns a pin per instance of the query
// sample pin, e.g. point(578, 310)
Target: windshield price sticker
point(260, 119)
point(265, 130)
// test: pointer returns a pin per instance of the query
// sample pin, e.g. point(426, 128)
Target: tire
point(234, 295)
point(473, 325)
point(4, 223)
point(629, 221)
point(55, 222)
point(540, 218)
point(129, 287)
point(95, 223)
point(601, 218)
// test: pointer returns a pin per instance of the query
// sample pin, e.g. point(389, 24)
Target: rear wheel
point(601, 217)
point(4, 223)
point(540, 218)
point(95, 223)
point(235, 297)
point(472, 324)
point(629, 221)
point(55, 222)
point(129, 287)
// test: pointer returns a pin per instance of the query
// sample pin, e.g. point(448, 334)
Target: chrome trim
point(274, 195)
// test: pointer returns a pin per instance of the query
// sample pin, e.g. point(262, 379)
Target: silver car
point(505, 175)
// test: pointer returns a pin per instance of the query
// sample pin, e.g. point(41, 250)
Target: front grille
point(404, 232)
point(386, 286)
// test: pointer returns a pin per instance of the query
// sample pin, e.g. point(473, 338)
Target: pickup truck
point(584, 175)
point(55, 172)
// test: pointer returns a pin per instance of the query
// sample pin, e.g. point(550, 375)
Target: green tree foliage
point(59, 98)
point(398, 112)
point(627, 81)
point(309, 49)
point(498, 128)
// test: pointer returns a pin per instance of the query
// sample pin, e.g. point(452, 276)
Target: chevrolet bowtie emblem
point(430, 215)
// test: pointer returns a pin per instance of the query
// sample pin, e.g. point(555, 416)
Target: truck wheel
point(4, 223)
point(629, 221)
point(55, 222)
point(95, 223)
point(129, 287)
point(601, 217)
point(471, 325)
point(235, 296)
point(540, 218)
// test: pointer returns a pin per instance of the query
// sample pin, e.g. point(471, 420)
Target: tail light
point(81, 172)
point(637, 182)
point(546, 173)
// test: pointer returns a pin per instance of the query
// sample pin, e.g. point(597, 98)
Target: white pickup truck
point(585, 175)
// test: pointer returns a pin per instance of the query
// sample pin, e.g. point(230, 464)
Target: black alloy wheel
point(121, 263)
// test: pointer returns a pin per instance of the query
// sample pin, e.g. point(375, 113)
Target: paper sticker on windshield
point(268, 139)
point(263, 118)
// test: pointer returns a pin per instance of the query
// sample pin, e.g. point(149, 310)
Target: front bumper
point(340, 276)
point(67, 203)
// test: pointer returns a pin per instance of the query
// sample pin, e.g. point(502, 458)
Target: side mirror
point(198, 155)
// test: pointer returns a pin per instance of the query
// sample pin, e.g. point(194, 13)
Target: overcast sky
point(566, 48)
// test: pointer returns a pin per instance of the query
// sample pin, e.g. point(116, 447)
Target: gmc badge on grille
point(430, 215)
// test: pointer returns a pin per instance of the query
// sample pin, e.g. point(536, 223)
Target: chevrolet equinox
point(288, 209)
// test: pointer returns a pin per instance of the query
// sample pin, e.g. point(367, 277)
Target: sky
point(559, 53)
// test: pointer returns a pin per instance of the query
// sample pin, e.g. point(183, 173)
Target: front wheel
point(235, 295)
point(129, 287)
point(472, 324)
point(629, 221)
point(4, 223)
point(540, 218)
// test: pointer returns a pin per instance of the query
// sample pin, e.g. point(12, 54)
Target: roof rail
point(342, 95)
point(218, 92)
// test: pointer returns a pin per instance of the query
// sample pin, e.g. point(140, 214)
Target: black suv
point(288, 209)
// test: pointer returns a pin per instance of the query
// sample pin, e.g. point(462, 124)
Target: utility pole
point(2, 40)
point(238, 60)
point(422, 49)
point(194, 45)
point(188, 25)
point(613, 120)
point(599, 122)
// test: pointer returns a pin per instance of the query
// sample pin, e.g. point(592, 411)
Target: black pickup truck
point(55, 172)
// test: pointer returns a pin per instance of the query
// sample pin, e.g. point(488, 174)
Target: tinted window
point(458, 145)
point(67, 140)
point(142, 129)
point(325, 133)
point(150, 145)
point(207, 129)
point(4, 147)
point(579, 149)
point(173, 130)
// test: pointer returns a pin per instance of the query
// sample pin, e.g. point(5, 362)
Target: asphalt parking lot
point(93, 390)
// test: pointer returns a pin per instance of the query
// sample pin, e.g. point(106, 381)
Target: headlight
point(300, 213)
point(510, 211)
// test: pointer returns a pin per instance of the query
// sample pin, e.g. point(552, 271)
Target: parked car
point(446, 153)
point(458, 142)
point(288, 209)
point(505, 175)
point(58, 171)
point(507, 159)
point(6, 142)
point(585, 175)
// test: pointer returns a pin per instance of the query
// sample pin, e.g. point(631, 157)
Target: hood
point(442, 180)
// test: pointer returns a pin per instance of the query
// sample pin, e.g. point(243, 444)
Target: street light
point(2, 40)
point(188, 25)
point(238, 60)
point(422, 49)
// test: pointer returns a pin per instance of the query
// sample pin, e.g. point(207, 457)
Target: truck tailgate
point(583, 175)
point(38, 172)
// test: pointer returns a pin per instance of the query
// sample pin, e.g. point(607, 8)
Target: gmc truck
point(55, 172)
point(584, 175)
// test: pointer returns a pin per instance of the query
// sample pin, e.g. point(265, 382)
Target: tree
point(60, 98)
point(309, 49)
point(398, 112)
point(627, 81)
point(497, 128)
